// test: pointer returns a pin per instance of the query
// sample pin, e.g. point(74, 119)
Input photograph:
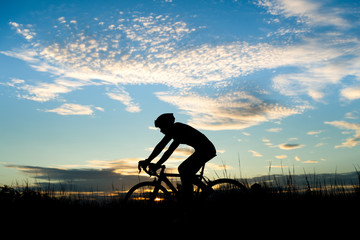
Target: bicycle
point(155, 191)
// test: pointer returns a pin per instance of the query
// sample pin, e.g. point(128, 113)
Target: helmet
point(165, 119)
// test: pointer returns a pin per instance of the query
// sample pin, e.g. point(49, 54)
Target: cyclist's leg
point(188, 170)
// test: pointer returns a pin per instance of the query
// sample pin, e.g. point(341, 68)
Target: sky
point(274, 84)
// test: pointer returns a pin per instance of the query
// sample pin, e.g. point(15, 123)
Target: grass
point(276, 200)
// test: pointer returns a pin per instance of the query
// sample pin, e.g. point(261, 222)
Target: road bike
point(162, 189)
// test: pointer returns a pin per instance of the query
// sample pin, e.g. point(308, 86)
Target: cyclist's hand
point(142, 165)
point(153, 168)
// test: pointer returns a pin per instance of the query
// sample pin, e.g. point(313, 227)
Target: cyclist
point(181, 134)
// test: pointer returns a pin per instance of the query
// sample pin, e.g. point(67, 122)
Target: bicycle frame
point(162, 177)
point(205, 185)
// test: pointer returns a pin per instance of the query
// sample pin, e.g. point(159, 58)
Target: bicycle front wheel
point(146, 192)
point(226, 188)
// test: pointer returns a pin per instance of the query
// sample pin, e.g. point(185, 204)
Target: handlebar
point(149, 168)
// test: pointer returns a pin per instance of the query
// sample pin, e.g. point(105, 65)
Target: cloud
point(25, 32)
point(310, 161)
point(317, 59)
point(350, 142)
point(29, 56)
point(184, 151)
point(278, 166)
point(99, 174)
point(124, 166)
point(216, 167)
point(281, 156)
point(290, 146)
point(13, 82)
point(152, 58)
point(352, 115)
point(236, 110)
point(74, 109)
point(124, 97)
point(351, 93)
point(255, 154)
point(267, 142)
point(41, 91)
point(307, 11)
point(320, 144)
point(316, 56)
point(314, 132)
point(102, 60)
point(179, 152)
point(274, 129)
point(139, 49)
point(80, 179)
point(62, 20)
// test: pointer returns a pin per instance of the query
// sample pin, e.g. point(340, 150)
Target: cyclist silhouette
point(181, 134)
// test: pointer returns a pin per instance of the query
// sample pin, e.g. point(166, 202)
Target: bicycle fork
point(155, 191)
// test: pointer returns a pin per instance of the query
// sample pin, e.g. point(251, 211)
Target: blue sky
point(269, 82)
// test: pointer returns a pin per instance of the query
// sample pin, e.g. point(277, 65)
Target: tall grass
point(272, 196)
point(289, 186)
point(285, 186)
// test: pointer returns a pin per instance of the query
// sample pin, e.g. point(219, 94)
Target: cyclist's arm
point(159, 147)
point(168, 153)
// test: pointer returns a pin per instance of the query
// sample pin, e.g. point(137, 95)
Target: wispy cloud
point(112, 59)
point(255, 154)
point(309, 12)
point(42, 92)
point(217, 167)
point(310, 161)
point(352, 115)
point(148, 54)
point(320, 144)
point(319, 65)
point(74, 109)
point(317, 56)
point(236, 110)
point(138, 49)
point(124, 97)
point(316, 132)
point(274, 130)
point(350, 142)
point(179, 152)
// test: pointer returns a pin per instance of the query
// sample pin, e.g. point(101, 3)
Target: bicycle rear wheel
point(226, 188)
point(146, 192)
